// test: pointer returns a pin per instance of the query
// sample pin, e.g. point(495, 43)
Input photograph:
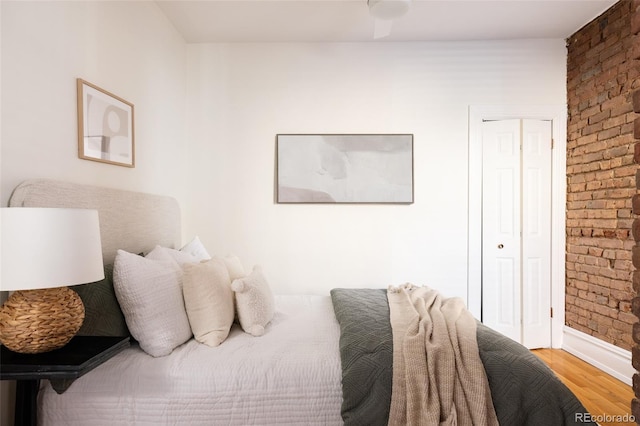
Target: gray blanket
point(524, 390)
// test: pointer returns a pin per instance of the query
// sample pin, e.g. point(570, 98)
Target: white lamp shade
point(47, 248)
point(388, 9)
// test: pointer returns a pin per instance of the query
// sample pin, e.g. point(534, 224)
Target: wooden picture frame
point(105, 126)
point(347, 168)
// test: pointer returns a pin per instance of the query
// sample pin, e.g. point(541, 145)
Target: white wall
point(127, 48)
point(241, 95)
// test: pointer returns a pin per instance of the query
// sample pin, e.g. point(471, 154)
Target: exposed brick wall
point(601, 177)
point(635, 56)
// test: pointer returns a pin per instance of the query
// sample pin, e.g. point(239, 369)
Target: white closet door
point(501, 308)
point(516, 230)
point(536, 233)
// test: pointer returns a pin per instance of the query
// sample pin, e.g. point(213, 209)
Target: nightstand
point(61, 366)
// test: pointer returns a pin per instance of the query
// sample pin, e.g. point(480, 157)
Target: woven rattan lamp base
point(36, 321)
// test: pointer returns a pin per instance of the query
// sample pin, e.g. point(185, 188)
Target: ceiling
point(206, 21)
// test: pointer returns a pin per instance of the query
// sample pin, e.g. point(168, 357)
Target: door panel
point(536, 233)
point(501, 227)
point(508, 312)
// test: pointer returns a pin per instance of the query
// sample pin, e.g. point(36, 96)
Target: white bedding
point(290, 375)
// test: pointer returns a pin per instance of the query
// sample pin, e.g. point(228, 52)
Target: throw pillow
point(254, 302)
point(150, 295)
point(102, 313)
point(164, 253)
point(234, 266)
point(209, 300)
point(196, 248)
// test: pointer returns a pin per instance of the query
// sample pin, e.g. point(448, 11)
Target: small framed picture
point(105, 126)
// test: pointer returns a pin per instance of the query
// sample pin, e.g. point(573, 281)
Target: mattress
point(290, 375)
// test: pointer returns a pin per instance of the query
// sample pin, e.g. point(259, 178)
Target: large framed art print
point(349, 168)
point(105, 126)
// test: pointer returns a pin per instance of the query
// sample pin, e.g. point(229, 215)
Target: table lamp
point(42, 251)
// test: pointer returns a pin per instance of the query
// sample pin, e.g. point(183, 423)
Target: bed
point(324, 360)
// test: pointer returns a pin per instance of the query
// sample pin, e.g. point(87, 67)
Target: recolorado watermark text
point(604, 418)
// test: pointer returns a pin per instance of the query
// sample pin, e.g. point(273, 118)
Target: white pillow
point(234, 266)
point(164, 253)
point(196, 248)
point(254, 302)
point(209, 300)
point(150, 295)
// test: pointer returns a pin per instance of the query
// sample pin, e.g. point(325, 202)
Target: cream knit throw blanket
point(438, 377)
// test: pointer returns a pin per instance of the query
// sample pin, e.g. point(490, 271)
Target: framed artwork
point(105, 126)
point(344, 168)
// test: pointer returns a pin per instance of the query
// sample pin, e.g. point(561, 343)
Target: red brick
point(611, 48)
point(635, 404)
point(635, 256)
point(636, 153)
point(614, 121)
point(635, 358)
point(609, 133)
point(635, 47)
point(636, 128)
point(635, 204)
point(635, 229)
point(635, 23)
point(623, 108)
point(635, 280)
point(612, 103)
point(599, 117)
point(636, 101)
point(635, 308)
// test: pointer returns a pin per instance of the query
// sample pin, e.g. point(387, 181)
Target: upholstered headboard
point(132, 221)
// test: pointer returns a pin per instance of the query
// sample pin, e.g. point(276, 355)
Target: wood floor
point(600, 393)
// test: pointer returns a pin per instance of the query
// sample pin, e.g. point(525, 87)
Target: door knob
point(500, 246)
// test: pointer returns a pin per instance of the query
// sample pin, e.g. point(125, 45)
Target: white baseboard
point(605, 356)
